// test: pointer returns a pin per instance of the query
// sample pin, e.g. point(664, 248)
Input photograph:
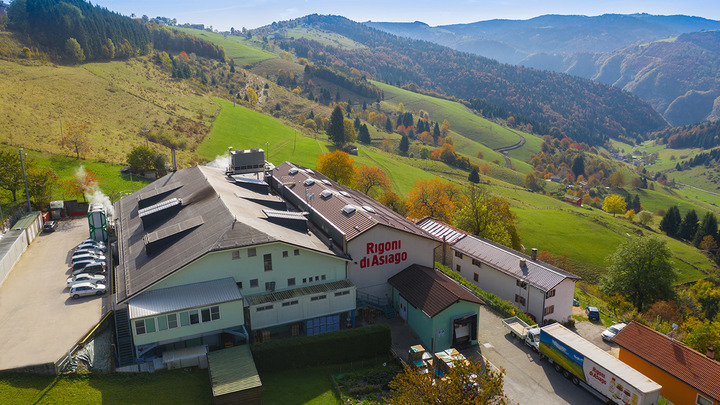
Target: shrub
point(329, 348)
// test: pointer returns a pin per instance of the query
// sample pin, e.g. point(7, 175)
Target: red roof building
point(686, 376)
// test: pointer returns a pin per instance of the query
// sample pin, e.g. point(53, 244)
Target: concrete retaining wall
point(12, 246)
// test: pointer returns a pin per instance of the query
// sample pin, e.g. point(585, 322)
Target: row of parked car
point(88, 269)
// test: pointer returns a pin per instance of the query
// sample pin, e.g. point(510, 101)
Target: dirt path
point(505, 149)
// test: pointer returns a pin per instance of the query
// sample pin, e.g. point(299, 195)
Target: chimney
point(174, 160)
point(711, 352)
point(533, 255)
point(522, 263)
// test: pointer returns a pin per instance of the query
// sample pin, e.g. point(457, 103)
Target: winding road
point(505, 149)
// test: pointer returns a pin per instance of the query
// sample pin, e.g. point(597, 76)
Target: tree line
point(359, 86)
point(704, 135)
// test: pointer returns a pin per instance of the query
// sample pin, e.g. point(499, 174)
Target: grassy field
point(165, 387)
point(308, 386)
point(235, 47)
point(325, 38)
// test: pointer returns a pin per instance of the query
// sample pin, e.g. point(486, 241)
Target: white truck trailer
point(595, 369)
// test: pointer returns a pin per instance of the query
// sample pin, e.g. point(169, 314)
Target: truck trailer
point(595, 369)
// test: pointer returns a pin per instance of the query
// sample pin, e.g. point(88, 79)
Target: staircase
point(125, 350)
point(367, 300)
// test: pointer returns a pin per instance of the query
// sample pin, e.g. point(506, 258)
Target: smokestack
point(711, 352)
point(174, 160)
point(533, 255)
point(522, 263)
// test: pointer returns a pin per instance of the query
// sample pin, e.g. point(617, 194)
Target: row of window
point(520, 299)
point(476, 262)
point(252, 252)
point(296, 302)
point(549, 310)
point(291, 282)
point(172, 321)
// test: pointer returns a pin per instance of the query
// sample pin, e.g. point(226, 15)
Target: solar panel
point(163, 205)
point(298, 216)
point(248, 180)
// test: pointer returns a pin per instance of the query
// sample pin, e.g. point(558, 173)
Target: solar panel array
point(163, 205)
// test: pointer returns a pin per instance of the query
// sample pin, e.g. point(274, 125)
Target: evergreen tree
point(688, 226)
point(356, 123)
point(404, 145)
point(707, 227)
point(670, 223)
point(364, 135)
point(388, 125)
point(399, 121)
point(436, 132)
point(636, 203)
point(578, 166)
point(364, 106)
point(474, 176)
point(336, 131)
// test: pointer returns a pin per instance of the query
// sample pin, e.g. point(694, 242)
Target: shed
point(30, 223)
point(234, 378)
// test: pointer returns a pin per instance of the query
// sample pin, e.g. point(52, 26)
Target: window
point(304, 281)
point(172, 321)
point(205, 314)
point(270, 286)
point(239, 284)
point(291, 282)
point(252, 252)
point(521, 284)
point(194, 318)
point(267, 260)
point(150, 325)
point(341, 293)
point(288, 303)
point(162, 323)
point(458, 254)
point(549, 310)
point(318, 297)
point(285, 253)
point(296, 252)
point(264, 308)
point(184, 319)
point(520, 299)
point(701, 400)
point(215, 313)
point(322, 277)
point(475, 277)
point(457, 268)
point(476, 262)
point(550, 293)
point(140, 327)
point(236, 255)
point(254, 283)
point(317, 278)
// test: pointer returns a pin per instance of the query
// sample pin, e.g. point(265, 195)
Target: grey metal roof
point(536, 273)
point(183, 297)
point(298, 292)
point(232, 370)
point(335, 208)
point(216, 214)
point(441, 230)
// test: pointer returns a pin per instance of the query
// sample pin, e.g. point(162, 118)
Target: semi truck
point(522, 331)
point(595, 369)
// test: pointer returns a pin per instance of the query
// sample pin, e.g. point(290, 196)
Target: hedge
point(329, 348)
point(505, 308)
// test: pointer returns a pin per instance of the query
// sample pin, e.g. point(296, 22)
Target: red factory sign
point(383, 253)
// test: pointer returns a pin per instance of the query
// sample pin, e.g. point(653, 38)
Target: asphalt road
point(40, 322)
point(528, 380)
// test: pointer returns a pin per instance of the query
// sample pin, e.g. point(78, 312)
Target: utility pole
point(27, 194)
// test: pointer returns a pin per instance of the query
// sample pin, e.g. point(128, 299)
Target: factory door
point(403, 308)
point(464, 330)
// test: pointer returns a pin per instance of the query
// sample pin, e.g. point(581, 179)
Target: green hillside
point(235, 47)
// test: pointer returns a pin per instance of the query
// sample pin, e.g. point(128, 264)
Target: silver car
point(609, 333)
point(87, 256)
point(90, 246)
point(85, 277)
point(91, 267)
point(86, 288)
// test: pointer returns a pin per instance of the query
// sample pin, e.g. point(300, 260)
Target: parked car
point(85, 277)
point(609, 333)
point(91, 240)
point(87, 251)
point(91, 267)
point(49, 226)
point(86, 288)
point(592, 313)
point(90, 245)
point(87, 256)
point(81, 264)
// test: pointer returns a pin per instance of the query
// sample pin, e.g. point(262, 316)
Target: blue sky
point(223, 14)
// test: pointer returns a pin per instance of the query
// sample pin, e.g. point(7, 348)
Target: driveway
point(40, 322)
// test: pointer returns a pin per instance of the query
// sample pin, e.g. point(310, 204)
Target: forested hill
point(704, 135)
point(586, 111)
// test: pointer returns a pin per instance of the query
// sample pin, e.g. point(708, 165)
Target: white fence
point(12, 246)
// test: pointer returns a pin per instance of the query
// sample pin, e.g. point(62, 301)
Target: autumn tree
point(349, 131)
point(40, 184)
point(394, 202)
point(251, 95)
point(645, 217)
point(531, 182)
point(701, 334)
point(640, 271)
point(11, 178)
point(466, 383)
point(708, 227)
point(369, 179)
point(434, 198)
point(75, 138)
point(74, 51)
point(143, 158)
point(338, 166)
point(617, 179)
point(708, 295)
point(488, 216)
point(614, 204)
point(336, 131)
point(84, 182)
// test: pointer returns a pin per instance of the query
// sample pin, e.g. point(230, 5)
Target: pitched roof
point(430, 290)
point(215, 214)
point(441, 230)
point(536, 273)
point(673, 357)
point(330, 198)
point(183, 297)
point(232, 370)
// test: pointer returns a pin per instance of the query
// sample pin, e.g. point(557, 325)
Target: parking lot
point(40, 321)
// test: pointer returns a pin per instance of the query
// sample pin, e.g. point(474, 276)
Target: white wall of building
point(300, 308)
point(382, 252)
point(562, 301)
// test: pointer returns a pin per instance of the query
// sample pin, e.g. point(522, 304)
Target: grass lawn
point(309, 386)
point(235, 47)
point(170, 387)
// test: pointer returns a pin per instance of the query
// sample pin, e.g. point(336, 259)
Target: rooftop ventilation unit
point(345, 194)
point(308, 171)
point(369, 209)
point(293, 171)
point(326, 194)
point(246, 161)
point(348, 209)
point(309, 182)
point(325, 181)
